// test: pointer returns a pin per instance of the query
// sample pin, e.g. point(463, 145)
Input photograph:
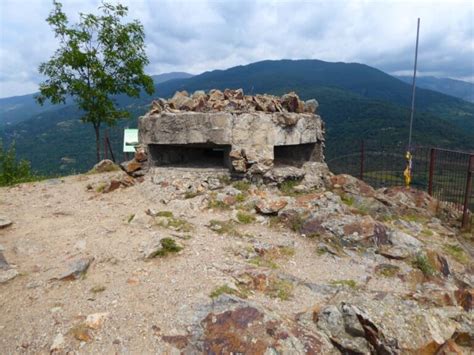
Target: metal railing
point(444, 174)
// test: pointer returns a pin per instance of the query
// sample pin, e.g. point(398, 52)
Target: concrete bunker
point(194, 155)
point(246, 134)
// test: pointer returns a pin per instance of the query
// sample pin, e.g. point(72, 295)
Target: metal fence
point(445, 174)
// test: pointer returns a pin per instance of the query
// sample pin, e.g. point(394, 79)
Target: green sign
point(130, 140)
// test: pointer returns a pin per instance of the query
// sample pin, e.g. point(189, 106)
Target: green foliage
point(242, 185)
point(98, 57)
point(457, 253)
point(287, 187)
point(356, 102)
point(281, 289)
point(13, 171)
point(168, 246)
point(422, 263)
point(348, 283)
point(245, 218)
point(168, 214)
point(225, 289)
point(224, 227)
point(166, 220)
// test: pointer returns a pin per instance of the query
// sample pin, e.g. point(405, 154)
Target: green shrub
point(242, 185)
point(422, 263)
point(13, 171)
point(168, 246)
point(245, 218)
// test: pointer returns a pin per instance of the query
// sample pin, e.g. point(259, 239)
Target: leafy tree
point(11, 170)
point(98, 57)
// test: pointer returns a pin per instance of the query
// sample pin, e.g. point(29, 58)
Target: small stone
point(76, 269)
point(96, 320)
point(5, 222)
point(104, 166)
point(58, 343)
point(264, 206)
point(8, 275)
point(3, 262)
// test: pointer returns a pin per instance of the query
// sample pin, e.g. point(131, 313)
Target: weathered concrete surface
point(248, 138)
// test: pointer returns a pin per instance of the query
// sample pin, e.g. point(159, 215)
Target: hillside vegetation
point(356, 101)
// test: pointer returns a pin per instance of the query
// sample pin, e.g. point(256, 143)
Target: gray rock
point(76, 269)
point(311, 106)
point(7, 275)
point(3, 262)
point(5, 222)
point(404, 240)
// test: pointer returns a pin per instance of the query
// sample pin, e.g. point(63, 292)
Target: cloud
point(198, 35)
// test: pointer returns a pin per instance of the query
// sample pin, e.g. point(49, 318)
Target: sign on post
point(130, 140)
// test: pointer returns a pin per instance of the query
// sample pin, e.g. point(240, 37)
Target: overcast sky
point(200, 35)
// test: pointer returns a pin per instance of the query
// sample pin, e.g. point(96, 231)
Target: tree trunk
point(97, 141)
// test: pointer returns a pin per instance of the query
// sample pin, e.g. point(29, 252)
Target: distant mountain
point(161, 78)
point(356, 102)
point(21, 108)
point(457, 88)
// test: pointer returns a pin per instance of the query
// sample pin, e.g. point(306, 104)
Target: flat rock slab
point(4, 222)
point(8, 275)
point(3, 262)
point(76, 269)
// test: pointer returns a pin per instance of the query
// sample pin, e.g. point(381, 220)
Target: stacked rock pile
point(233, 101)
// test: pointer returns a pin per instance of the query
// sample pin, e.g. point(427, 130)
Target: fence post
point(465, 214)
point(431, 173)
point(362, 158)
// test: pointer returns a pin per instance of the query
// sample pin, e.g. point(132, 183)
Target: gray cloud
point(196, 36)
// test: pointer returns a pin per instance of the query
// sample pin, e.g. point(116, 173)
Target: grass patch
point(224, 227)
point(287, 187)
point(224, 179)
point(427, 233)
point(457, 253)
point(348, 200)
point(97, 289)
point(240, 197)
point(387, 270)
point(347, 283)
point(189, 194)
point(281, 289)
point(245, 218)
point(174, 223)
point(101, 187)
point(261, 261)
point(167, 214)
point(242, 185)
point(168, 246)
point(422, 263)
point(413, 218)
point(216, 204)
point(268, 259)
point(225, 289)
point(130, 218)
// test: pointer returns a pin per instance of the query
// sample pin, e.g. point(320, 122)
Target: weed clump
point(225, 289)
point(166, 220)
point(347, 283)
point(281, 289)
point(168, 246)
point(287, 187)
point(387, 270)
point(457, 253)
point(242, 185)
point(422, 263)
point(167, 214)
point(224, 227)
point(245, 218)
